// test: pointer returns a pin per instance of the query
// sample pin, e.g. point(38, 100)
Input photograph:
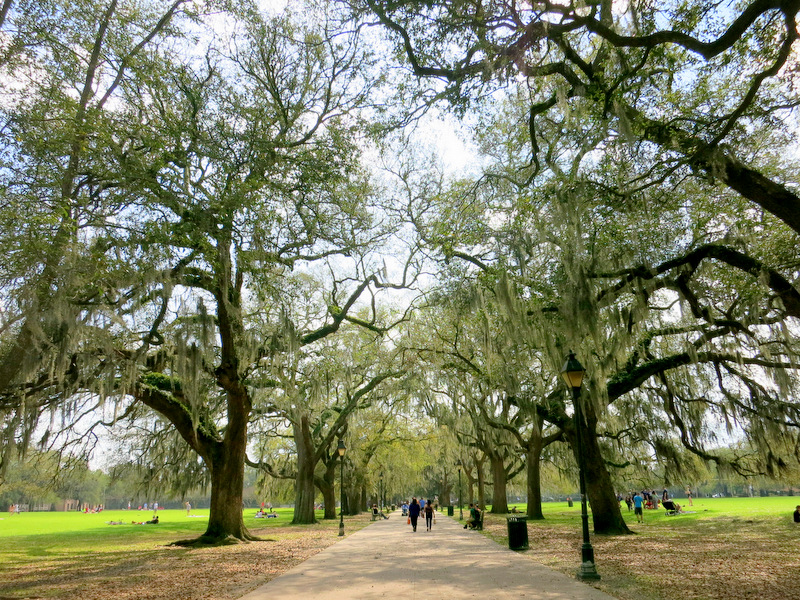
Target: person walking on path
point(373, 563)
point(413, 513)
point(428, 516)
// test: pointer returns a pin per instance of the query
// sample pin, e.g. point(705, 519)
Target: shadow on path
point(388, 560)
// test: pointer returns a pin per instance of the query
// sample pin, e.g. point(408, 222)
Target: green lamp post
point(572, 372)
point(341, 449)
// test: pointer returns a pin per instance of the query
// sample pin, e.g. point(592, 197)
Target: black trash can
point(517, 533)
point(450, 511)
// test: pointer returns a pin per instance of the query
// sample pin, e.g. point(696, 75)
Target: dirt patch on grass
point(717, 559)
point(168, 572)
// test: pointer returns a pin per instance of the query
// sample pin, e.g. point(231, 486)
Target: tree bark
point(481, 499)
point(499, 495)
point(606, 514)
point(353, 499)
point(468, 490)
point(327, 485)
point(304, 482)
point(329, 502)
point(227, 483)
point(224, 456)
point(533, 457)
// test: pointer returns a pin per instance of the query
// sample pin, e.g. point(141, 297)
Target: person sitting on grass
point(796, 515)
point(474, 517)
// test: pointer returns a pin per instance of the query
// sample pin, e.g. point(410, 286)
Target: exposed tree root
point(205, 541)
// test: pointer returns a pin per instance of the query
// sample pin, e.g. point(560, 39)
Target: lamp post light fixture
point(341, 449)
point(572, 373)
point(459, 464)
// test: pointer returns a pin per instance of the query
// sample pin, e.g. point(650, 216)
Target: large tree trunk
point(227, 482)
point(224, 457)
point(327, 486)
point(353, 499)
point(329, 500)
point(499, 495)
point(481, 499)
point(533, 457)
point(606, 514)
point(304, 492)
point(468, 490)
point(227, 472)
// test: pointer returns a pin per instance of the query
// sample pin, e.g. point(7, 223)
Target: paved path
point(388, 560)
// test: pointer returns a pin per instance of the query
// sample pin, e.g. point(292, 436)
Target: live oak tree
point(318, 392)
point(62, 66)
point(585, 194)
point(231, 169)
point(703, 329)
point(397, 439)
point(273, 181)
point(382, 439)
point(481, 370)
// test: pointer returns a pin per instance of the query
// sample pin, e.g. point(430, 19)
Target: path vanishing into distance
point(387, 560)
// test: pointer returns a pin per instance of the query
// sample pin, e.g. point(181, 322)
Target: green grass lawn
point(724, 549)
point(69, 526)
point(67, 534)
point(773, 507)
point(721, 549)
point(63, 555)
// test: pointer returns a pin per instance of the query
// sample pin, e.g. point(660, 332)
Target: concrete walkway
point(388, 560)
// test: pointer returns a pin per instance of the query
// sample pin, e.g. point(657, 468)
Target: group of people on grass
point(153, 521)
point(638, 501)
